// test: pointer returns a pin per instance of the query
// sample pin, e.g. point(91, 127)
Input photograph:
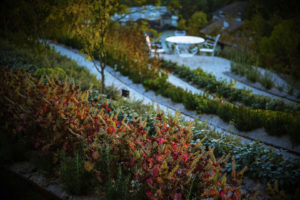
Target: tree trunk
point(102, 65)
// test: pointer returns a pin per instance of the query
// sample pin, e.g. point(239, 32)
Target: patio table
point(184, 42)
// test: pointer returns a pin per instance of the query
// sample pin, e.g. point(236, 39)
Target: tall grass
point(267, 80)
point(242, 64)
point(252, 74)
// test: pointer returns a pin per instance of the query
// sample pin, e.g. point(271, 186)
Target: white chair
point(177, 50)
point(194, 50)
point(157, 50)
point(210, 46)
point(180, 33)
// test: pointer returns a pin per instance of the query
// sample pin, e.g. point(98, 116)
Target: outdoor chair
point(194, 50)
point(177, 50)
point(157, 50)
point(185, 53)
point(180, 33)
point(210, 46)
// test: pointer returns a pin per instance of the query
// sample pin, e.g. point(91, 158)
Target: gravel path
point(218, 67)
point(186, 86)
point(138, 92)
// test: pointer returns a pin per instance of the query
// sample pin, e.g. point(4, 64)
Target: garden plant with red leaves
point(51, 116)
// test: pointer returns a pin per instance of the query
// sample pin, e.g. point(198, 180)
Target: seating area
point(179, 43)
point(155, 48)
point(210, 46)
point(180, 33)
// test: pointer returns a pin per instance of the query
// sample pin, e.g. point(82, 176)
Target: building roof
point(227, 18)
point(235, 9)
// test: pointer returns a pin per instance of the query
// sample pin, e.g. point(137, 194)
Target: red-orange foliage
point(59, 116)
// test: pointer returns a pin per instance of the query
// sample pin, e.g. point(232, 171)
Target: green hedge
point(222, 89)
point(244, 119)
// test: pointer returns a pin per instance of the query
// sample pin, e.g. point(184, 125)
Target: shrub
point(267, 80)
point(263, 163)
point(280, 88)
point(243, 118)
point(222, 89)
point(225, 112)
point(277, 123)
point(197, 21)
point(207, 106)
point(290, 90)
point(56, 72)
point(253, 74)
point(238, 68)
point(55, 116)
point(190, 101)
point(280, 48)
point(42, 60)
point(246, 120)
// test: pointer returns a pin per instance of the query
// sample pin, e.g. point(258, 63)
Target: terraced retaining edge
point(50, 188)
point(225, 130)
point(277, 147)
point(295, 100)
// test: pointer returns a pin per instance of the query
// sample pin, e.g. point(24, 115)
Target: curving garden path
point(220, 67)
point(138, 92)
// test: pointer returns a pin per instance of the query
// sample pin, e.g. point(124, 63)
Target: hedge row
point(244, 119)
point(222, 89)
point(276, 123)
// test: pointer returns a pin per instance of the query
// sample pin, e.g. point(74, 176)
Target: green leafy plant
point(267, 80)
point(226, 90)
point(263, 163)
point(252, 74)
point(238, 68)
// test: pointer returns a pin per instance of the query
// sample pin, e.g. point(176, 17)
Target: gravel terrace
point(138, 92)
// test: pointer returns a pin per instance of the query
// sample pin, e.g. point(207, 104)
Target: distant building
point(233, 10)
point(157, 15)
point(228, 18)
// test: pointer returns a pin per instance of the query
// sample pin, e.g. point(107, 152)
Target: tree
point(197, 21)
point(24, 20)
point(172, 4)
point(281, 49)
point(182, 24)
point(90, 23)
point(274, 25)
